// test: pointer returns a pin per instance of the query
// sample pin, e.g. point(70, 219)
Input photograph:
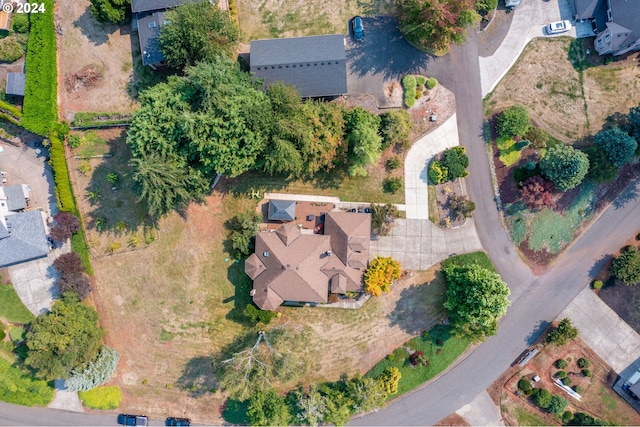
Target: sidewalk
point(415, 166)
point(529, 20)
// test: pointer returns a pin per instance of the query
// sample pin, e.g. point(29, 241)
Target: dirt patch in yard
point(598, 399)
point(86, 42)
point(565, 103)
point(453, 420)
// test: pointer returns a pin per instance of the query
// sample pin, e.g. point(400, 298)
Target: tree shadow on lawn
point(198, 377)
point(96, 32)
point(241, 298)
point(420, 306)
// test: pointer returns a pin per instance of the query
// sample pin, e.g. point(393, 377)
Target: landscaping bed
point(598, 399)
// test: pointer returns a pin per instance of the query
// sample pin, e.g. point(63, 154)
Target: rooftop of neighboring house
point(291, 266)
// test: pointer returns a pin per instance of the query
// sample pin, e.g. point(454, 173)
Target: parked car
point(367, 210)
point(173, 421)
point(318, 228)
point(133, 420)
point(357, 30)
point(352, 210)
point(558, 27)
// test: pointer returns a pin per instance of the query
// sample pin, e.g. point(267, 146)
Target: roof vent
point(252, 293)
point(265, 253)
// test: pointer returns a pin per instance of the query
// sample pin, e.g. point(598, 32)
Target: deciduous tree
point(113, 11)
point(537, 193)
point(514, 121)
point(395, 126)
point(363, 139)
point(66, 224)
point(618, 146)
point(565, 166)
point(475, 299)
point(66, 338)
point(382, 272)
point(267, 408)
point(198, 31)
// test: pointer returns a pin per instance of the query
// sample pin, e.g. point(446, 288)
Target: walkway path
point(415, 166)
point(604, 331)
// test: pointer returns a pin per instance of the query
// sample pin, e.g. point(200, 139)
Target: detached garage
point(316, 65)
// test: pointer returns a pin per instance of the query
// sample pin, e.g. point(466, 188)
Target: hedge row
point(97, 119)
point(40, 98)
point(11, 109)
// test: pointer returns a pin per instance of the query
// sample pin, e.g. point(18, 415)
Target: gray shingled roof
point(15, 197)
point(3, 231)
point(15, 84)
point(315, 65)
point(627, 14)
point(585, 8)
point(148, 5)
point(282, 210)
point(27, 239)
point(149, 25)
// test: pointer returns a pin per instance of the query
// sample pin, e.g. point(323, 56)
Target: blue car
point(357, 29)
point(173, 421)
point(133, 420)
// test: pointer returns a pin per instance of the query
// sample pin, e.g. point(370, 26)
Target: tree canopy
point(475, 299)
point(565, 166)
point(266, 408)
point(199, 31)
point(618, 146)
point(365, 143)
point(382, 272)
point(626, 266)
point(562, 333)
point(435, 24)
point(514, 121)
point(66, 338)
point(113, 11)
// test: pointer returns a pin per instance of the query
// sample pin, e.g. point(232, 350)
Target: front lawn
point(11, 308)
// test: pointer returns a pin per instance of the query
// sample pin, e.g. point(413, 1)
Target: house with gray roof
point(292, 268)
point(315, 65)
point(15, 84)
point(282, 210)
point(147, 19)
point(617, 23)
point(23, 235)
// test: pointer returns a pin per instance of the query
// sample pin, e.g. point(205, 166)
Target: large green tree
point(514, 121)
point(198, 31)
point(475, 299)
point(435, 24)
point(266, 408)
point(565, 166)
point(363, 139)
point(113, 11)
point(66, 338)
point(618, 146)
point(626, 266)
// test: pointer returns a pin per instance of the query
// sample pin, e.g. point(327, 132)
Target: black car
point(173, 421)
point(133, 420)
point(357, 29)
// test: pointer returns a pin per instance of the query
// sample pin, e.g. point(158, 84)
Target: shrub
point(524, 385)
point(10, 49)
point(40, 100)
point(586, 373)
point(409, 82)
point(3, 334)
point(522, 173)
point(567, 416)
point(96, 373)
point(21, 389)
point(456, 161)
point(68, 264)
point(600, 167)
point(561, 334)
point(514, 121)
point(557, 404)
point(626, 266)
point(76, 282)
point(438, 172)
point(522, 144)
point(66, 224)
point(561, 363)
point(565, 166)
point(431, 83)
point(538, 137)
point(392, 185)
point(395, 126)
point(561, 375)
point(597, 284)
point(421, 80)
point(578, 388)
point(542, 398)
point(393, 163)
point(461, 206)
point(64, 193)
point(537, 193)
point(409, 101)
point(618, 146)
point(389, 379)
point(566, 381)
point(20, 23)
point(258, 316)
point(486, 6)
point(583, 363)
point(418, 358)
point(104, 398)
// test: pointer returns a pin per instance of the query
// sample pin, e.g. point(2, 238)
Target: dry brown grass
point(545, 81)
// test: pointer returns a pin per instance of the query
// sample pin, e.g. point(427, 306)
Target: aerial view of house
point(240, 212)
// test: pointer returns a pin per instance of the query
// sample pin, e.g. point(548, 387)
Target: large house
point(617, 23)
point(315, 65)
point(294, 268)
point(23, 235)
point(148, 18)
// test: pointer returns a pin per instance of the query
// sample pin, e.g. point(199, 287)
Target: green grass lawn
point(20, 389)
point(478, 257)
point(528, 418)
point(11, 308)
point(434, 216)
point(438, 345)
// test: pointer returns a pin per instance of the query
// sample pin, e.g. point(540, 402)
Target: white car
point(558, 27)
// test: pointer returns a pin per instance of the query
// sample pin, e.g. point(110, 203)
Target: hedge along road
point(536, 301)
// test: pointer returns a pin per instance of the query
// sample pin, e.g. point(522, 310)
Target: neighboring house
point(289, 267)
point(15, 84)
point(316, 65)
point(617, 23)
point(148, 18)
point(5, 20)
point(23, 235)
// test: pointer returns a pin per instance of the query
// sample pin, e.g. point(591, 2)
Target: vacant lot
point(564, 101)
point(598, 399)
point(261, 19)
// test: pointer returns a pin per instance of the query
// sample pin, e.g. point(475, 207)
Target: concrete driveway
point(383, 56)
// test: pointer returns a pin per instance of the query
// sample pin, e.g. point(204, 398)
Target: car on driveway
point(357, 30)
point(133, 420)
point(558, 27)
point(173, 421)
